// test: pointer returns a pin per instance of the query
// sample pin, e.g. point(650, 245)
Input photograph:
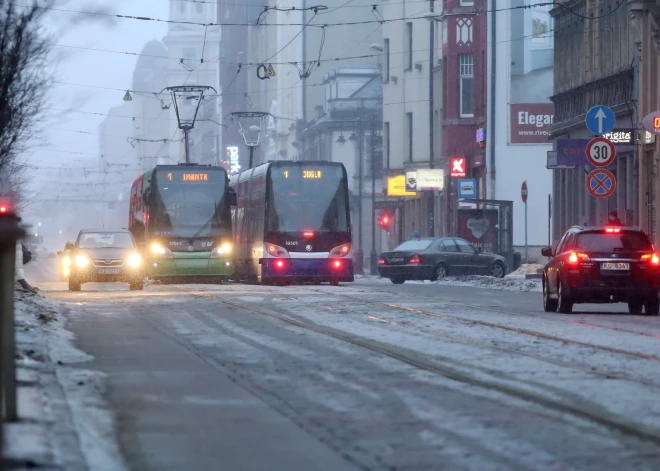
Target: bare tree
point(24, 83)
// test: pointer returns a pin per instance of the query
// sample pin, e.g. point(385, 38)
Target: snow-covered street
point(367, 375)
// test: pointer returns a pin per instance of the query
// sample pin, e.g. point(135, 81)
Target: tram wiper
point(214, 215)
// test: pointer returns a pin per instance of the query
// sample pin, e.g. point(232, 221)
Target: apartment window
point(467, 3)
point(386, 60)
point(409, 46)
point(466, 78)
point(199, 7)
point(386, 131)
point(188, 55)
point(409, 137)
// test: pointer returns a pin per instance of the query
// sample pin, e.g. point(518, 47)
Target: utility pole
point(359, 268)
point(373, 256)
point(430, 206)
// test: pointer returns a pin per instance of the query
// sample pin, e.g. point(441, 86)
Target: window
point(409, 137)
point(615, 242)
point(466, 76)
point(467, 3)
point(448, 246)
point(199, 7)
point(386, 60)
point(465, 247)
point(409, 46)
point(414, 245)
point(182, 7)
point(386, 131)
point(188, 55)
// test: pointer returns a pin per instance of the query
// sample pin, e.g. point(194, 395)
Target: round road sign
point(600, 152)
point(601, 183)
point(523, 192)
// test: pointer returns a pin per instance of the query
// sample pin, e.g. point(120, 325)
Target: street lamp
point(187, 99)
point(251, 135)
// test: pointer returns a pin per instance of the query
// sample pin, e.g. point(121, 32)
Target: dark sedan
point(433, 259)
point(105, 256)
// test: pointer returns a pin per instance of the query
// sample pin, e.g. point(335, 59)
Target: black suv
point(610, 264)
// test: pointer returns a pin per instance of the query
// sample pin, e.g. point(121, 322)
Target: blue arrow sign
point(467, 188)
point(600, 120)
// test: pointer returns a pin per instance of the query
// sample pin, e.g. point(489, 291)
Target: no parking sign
point(601, 183)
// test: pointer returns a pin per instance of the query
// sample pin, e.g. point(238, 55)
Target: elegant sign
point(396, 186)
point(530, 121)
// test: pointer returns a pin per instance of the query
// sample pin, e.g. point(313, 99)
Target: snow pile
point(507, 283)
point(527, 269)
point(44, 349)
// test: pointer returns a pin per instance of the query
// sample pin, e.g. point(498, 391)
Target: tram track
point(494, 324)
point(576, 407)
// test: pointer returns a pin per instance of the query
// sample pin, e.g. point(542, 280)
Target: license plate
point(614, 266)
point(398, 259)
point(109, 271)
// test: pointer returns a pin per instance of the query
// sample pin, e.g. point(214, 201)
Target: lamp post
point(187, 99)
point(251, 136)
point(373, 256)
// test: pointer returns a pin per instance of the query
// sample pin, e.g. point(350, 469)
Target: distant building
point(189, 42)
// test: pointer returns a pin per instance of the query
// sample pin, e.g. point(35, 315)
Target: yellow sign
point(396, 186)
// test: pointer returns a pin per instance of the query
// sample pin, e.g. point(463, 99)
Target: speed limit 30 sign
point(600, 152)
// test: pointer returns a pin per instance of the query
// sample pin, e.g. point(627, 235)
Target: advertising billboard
point(479, 227)
point(396, 186)
point(430, 179)
point(530, 121)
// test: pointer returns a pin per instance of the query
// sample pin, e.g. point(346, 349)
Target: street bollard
point(10, 233)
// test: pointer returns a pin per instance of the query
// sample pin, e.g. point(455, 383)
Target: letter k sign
point(457, 167)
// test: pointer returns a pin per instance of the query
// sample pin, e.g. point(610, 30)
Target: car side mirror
point(69, 246)
point(478, 250)
point(546, 251)
point(233, 199)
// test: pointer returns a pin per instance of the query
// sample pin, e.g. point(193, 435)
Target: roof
point(104, 231)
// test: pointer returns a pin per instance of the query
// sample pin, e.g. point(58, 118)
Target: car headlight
point(82, 261)
point(134, 260)
point(66, 262)
point(160, 251)
point(221, 251)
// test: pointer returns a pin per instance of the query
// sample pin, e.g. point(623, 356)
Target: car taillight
point(381, 262)
point(336, 264)
point(415, 259)
point(576, 257)
point(612, 230)
point(653, 258)
point(279, 264)
point(276, 250)
point(340, 251)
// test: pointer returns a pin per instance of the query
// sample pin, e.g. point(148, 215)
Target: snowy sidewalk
point(63, 422)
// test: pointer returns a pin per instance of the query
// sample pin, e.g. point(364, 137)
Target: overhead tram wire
point(326, 25)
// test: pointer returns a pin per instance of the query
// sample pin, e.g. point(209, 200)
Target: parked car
point(434, 258)
point(602, 265)
point(105, 256)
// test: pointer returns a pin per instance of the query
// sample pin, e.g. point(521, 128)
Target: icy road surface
point(369, 376)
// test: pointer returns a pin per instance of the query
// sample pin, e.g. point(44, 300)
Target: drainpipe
point(493, 91)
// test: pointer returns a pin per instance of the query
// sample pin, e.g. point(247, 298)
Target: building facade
point(590, 69)
point(407, 73)
point(517, 140)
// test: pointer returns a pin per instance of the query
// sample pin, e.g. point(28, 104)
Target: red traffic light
point(385, 221)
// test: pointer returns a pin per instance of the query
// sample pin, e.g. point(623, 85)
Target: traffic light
point(385, 221)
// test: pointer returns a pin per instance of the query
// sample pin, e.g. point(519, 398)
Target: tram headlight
point(221, 251)
point(275, 250)
point(159, 251)
point(340, 251)
point(66, 262)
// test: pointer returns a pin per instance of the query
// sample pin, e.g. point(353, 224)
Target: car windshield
point(95, 240)
point(414, 245)
point(602, 241)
